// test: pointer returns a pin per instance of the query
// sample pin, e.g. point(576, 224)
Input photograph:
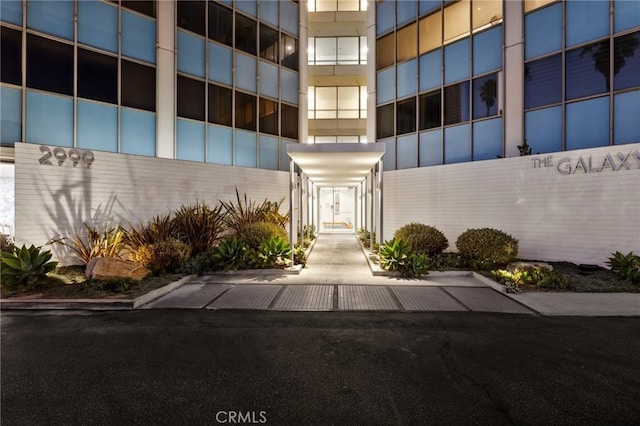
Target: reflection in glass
point(626, 61)
point(289, 51)
point(543, 81)
point(456, 103)
point(587, 70)
point(406, 116)
point(485, 96)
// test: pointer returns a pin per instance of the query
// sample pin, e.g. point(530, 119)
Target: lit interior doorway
point(337, 209)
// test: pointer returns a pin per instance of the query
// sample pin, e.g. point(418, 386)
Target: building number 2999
point(75, 156)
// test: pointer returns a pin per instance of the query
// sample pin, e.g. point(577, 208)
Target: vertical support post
point(291, 204)
point(373, 210)
point(380, 205)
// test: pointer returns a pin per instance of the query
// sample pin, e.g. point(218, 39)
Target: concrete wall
point(578, 217)
point(53, 201)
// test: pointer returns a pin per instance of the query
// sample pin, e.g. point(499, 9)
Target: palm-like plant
point(245, 211)
point(488, 93)
point(108, 243)
point(199, 226)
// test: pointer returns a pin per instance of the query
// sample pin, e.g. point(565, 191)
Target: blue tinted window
point(587, 70)
point(220, 59)
point(284, 158)
point(543, 31)
point(431, 148)
point(407, 147)
point(245, 149)
point(389, 157)
point(406, 10)
point(588, 124)
point(456, 61)
point(626, 61)
point(269, 11)
point(269, 80)
point(49, 119)
point(586, 20)
point(407, 78)
point(219, 145)
point(428, 5)
point(10, 115)
point(625, 119)
point(268, 152)
point(98, 25)
point(543, 129)
point(386, 84)
point(543, 81)
point(456, 103)
point(290, 18)
point(138, 37)
point(626, 15)
point(487, 139)
point(485, 96)
point(97, 126)
point(190, 54)
point(138, 132)
point(53, 17)
point(11, 11)
point(289, 85)
point(247, 6)
point(189, 140)
point(385, 16)
point(487, 51)
point(246, 72)
point(457, 144)
point(430, 70)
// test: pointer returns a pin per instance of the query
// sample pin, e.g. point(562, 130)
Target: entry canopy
point(336, 164)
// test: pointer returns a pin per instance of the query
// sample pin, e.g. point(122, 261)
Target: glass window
point(406, 11)
point(487, 51)
point(457, 19)
point(220, 23)
point(543, 129)
point(245, 152)
point(586, 20)
point(249, 7)
point(137, 132)
point(311, 102)
point(268, 80)
point(219, 60)
point(269, 43)
point(138, 86)
point(626, 15)
point(407, 78)
point(407, 151)
point(246, 72)
point(457, 144)
point(289, 52)
point(406, 116)
point(430, 70)
point(143, 6)
point(485, 96)
point(385, 49)
point(430, 110)
point(10, 114)
point(626, 61)
point(543, 82)
point(430, 148)
point(364, 49)
point(487, 139)
point(456, 103)
point(190, 98)
point(407, 43)
point(587, 70)
point(190, 54)
point(587, 123)
point(269, 12)
point(289, 18)
point(268, 152)
point(326, 102)
point(456, 61)
point(97, 126)
point(219, 145)
point(245, 111)
point(49, 65)
point(289, 86)
point(11, 11)
point(138, 37)
point(246, 34)
point(389, 157)
point(220, 109)
point(486, 13)
point(348, 102)
point(530, 5)
point(97, 76)
point(51, 17)
point(385, 121)
point(268, 116)
point(626, 110)
point(348, 49)
point(363, 101)
point(191, 16)
point(289, 121)
point(385, 16)
point(10, 56)
point(430, 32)
point(325, 50)
point(428, 5)
point(49, 119)
point(543, 31)
point(98, 25)
point(189, 140)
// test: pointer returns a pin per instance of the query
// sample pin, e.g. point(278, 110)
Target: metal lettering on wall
point(74, 156)
point(610, 162)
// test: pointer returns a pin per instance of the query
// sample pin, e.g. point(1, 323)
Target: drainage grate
point(305, 298)
point(426, 299)
point(190, 296)
point(246, 297)
point(486, 300)
point(357, 297)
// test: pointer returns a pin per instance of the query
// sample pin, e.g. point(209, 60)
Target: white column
point(303, 79)
point(513, 77)
point(166, 80)
point(371, 71)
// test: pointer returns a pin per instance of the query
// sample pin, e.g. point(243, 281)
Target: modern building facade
point(122, 109)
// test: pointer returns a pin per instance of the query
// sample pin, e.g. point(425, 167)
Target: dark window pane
point(588, 70)
point(220, 24)
point(246, 34)
point(97, 76)
point(430, 110)
point(384, 121)
point(11, 56)
point(144, 7)
point(245, 111)
point(289, 121)
point(485, 96)
point(289, 52)
point(49, 65)
point(268, 43)
point(543, 82)
point(385, 48)
point(220, 105)
point(456, 103)
point(406, 116)
point(138, 86)
point(190, 98)
point(268, 116)
point(626, 61)
point(191, 16)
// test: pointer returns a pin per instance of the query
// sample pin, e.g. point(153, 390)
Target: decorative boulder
point(100, 268)
point(528, 266)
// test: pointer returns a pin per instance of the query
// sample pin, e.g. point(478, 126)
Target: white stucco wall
point(53, 201)
point(578, 217)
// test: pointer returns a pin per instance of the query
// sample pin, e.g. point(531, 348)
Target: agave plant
point(199, 226)
point(275, 252)
point(394, 254)
point(625, 265)
point(230, 254)
point(108, 243)
point(23, 268)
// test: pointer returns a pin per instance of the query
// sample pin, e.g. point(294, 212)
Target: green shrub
point(198, 264)
point(274, 252)
point(254, 234)
point(199, 226)
point(107, 243)
point(159, 228)
point(23, 268)
point(300, 255)
point(6, 243)
point(626, 266)
point(230, 255)
point(485, 247)
point(554, 280)
point(447, 261)
point(423, 239)
point(539, 277)
point(163, 256)
point(396, 255)
point(111, 285)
